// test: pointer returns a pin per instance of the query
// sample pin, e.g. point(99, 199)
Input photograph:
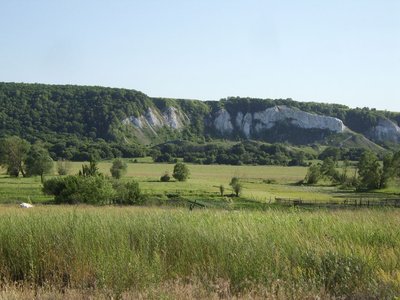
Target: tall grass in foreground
point(135, 249)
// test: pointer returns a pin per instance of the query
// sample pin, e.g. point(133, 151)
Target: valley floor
point(248, 249)
point(261, 185)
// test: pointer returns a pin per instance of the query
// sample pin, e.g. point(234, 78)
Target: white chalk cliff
point(256, 122)
point(223, 122)
point(153, 119)
point(252, 124)
point(385, 130)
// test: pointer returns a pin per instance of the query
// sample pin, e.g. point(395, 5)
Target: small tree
point(387, 170)
point(13, 153)
point(38, 161)
point(181, 172)
point(234, 180)
point(369, 171)
point(396, 164)
point(89, 170)
point(236, 186)
point(313, 174)
point(118, 168)
point(63, 167)
point(221, 190)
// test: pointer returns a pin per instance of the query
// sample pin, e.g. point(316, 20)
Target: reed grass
point(122, 250)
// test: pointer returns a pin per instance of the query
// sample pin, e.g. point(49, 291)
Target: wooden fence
point(345, 203)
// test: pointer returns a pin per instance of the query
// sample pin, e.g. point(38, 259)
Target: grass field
point(204, 184)
point(130, 250)
point(254, 251)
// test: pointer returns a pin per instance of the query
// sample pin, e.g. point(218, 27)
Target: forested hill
point(74, 120)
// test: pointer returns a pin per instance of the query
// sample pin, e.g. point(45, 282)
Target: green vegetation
point(371, 173)
point(82, 122)
point(38, 161)
point(236, 186)
point(80, 189)
point(325, 254)
point(261, 184)
point(243, 244)
point(13, 153)
point(118, 168)
point(165, 177)
point(246, 152)
point(181, 172)
point(63, 167)
point(246, 246)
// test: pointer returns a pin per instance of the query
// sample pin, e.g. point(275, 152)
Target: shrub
point(234, 180)
point(181, 172)
point(313, 174)
point(165, 177)
point(236, 186)
point(90, 170)
point(63, 167)
point(221, 190)
point(118, 168)
point(80, 189)
point(128, 193)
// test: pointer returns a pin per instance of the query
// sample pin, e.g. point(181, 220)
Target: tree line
point(370, 172)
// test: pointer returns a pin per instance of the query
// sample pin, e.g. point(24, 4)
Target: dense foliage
point(83, 122)
point(38, 161)
point(118, 168)
point(96, 189)
point(181, 172)
point(247, 152)
point(13, 153)
point(371, 173)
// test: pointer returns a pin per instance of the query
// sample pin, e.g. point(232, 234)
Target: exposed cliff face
point(298, 126)
point(385, 131)
point(251, 124)
point(222, 122)
point(244, 123)
point(154, 119)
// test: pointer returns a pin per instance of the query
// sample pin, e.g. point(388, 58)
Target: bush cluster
point(98, 190)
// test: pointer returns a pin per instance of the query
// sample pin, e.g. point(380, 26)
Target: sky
point(338, 51)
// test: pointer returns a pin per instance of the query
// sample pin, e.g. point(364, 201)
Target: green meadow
point(240, 247)
point(261, 184)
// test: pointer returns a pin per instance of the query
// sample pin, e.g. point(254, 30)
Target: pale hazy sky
point(343, 51)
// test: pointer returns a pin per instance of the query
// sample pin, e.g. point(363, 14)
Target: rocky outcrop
point(154, 119)
point(252, 123)
point(222, 122)
point(173, 118)
point(244, 123)
point(298, 118)
point(385, 131)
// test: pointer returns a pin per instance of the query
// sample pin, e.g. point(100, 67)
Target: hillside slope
point(67, 115)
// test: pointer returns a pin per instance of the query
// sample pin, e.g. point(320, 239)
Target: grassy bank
point(135, 249)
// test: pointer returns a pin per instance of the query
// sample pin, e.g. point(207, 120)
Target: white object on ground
point(25, 205)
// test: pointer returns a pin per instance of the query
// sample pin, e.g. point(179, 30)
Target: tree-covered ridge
point(32, 109)
point(79, 122)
